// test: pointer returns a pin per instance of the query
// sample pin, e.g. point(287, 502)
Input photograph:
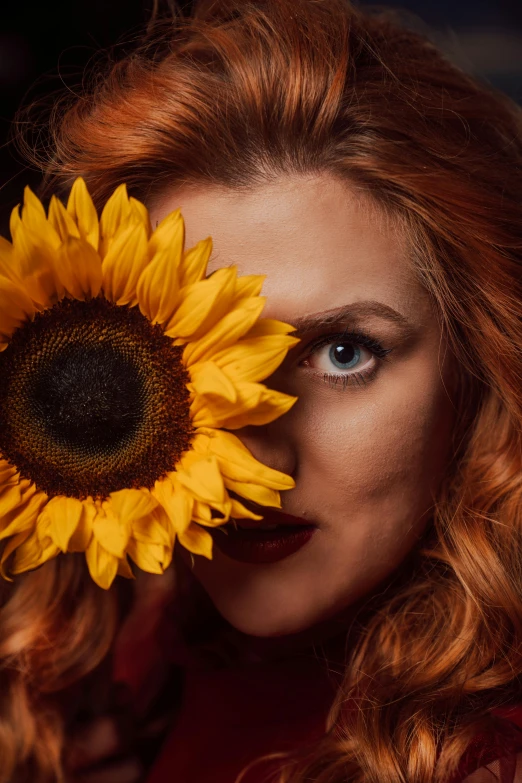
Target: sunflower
point(123, 368)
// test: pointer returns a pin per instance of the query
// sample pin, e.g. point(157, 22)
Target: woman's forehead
point(317, 240)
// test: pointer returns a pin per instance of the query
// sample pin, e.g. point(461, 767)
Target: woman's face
point(369, 437)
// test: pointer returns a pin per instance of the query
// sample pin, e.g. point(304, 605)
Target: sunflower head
point(123, 370)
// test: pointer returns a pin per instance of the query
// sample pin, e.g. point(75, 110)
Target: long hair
point(243, 91)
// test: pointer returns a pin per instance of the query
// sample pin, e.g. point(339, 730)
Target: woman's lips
point(253, 544)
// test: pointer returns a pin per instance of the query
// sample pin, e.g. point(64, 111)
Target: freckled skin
point(366, 459)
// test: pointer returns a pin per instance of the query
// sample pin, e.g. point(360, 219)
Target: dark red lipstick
point(248, 542)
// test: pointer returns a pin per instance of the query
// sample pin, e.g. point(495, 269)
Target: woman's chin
point(260, 618)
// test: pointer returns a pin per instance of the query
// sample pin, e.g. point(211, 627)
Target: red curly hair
point(246, 90)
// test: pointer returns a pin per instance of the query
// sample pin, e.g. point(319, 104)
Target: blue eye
point(346, 359)
point(341, 355)
point(344, 355)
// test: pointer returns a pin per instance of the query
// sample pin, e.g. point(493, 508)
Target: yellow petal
point(9, 548)
point(82, 536)
point(116, 214)
point(170, 232)
point(255, 404)
point(208, 379)
point(263, 496)
point(141, 214)
point(82, 210)
point(80, 269)
point(33, 207)
point(254, 359)
point(199, 447)
point(63, 516)
point(10, 498)
point(103, 566)
point(197, 541)
point(131, 504)
point(25, 516)
point(147, 557)
point(158, 288)
point(176, 502)
point(202, 305)
point(115, 211)
point(36, 266)
point(7, 261)
point(236, 462)
point(225, 333)
point(195, 261)
point(15, 307)
point(267, 326)
point(203, 479)
point(152, 530)
point(111, 531)
point(273, 405)
point(124, 569)
point(249, 285)
point(202, 514)
point(15, 222)
point(123, 264)
point(61, 221)
point(35, 221)
point(239, 511)
point(32, 553)
point(8, 475)
point(213, 411)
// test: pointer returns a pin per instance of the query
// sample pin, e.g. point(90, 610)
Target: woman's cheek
point(373, 455)
point(371, 487)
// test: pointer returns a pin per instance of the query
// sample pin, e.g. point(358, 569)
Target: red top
point(230, 716)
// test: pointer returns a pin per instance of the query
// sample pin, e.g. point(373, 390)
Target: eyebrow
point(352, 312)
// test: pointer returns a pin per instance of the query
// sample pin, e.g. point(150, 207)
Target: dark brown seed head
point(93, 399)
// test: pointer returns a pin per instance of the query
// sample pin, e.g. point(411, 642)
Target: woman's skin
point(366, 452)
point(366, 446)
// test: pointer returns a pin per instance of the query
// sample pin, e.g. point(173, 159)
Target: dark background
point(45, 45)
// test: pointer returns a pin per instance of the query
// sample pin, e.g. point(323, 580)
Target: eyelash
point(359, 339)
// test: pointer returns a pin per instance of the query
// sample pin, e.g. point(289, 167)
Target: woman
point(379, 189)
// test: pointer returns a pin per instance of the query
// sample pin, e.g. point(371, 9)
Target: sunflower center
point(93, 399)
